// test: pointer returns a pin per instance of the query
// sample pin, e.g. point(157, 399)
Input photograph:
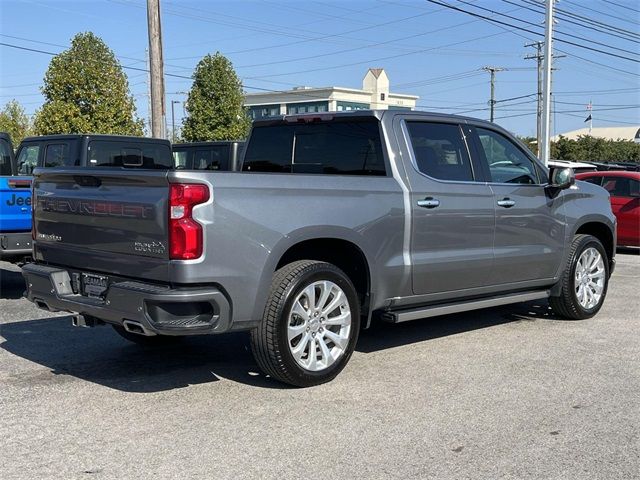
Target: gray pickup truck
point(334, 219)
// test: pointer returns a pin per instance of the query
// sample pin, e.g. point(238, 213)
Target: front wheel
point(310, 324)
point(584, 281)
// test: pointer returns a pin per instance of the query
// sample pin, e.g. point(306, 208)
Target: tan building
point(608, 133)
point(374, 94)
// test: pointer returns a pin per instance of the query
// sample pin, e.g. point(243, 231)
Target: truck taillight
point(185, 234)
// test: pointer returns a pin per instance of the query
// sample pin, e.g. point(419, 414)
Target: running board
point(406, 315)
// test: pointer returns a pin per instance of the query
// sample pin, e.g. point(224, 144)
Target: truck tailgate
point(109, 220)
point(15, 209)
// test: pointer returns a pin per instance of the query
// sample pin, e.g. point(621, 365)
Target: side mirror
point(561, 178)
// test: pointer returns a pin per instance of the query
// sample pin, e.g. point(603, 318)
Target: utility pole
point(538, 56)
point(544, 148)
point(158, 122)
point(148, 83)
point(173, 120)
point(492, 71)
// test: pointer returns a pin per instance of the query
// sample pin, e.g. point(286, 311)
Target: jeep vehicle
point(15, 206)
point(223, 155)
point(335, 218)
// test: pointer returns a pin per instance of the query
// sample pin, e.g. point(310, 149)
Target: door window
point(594, 180)
point(211, 158)
point(621, 186)
point(440, 151)
point(5, 158)
point(506, 162)
point(57, 155)
point(28, 159)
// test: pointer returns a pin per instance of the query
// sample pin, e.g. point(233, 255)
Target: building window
point(310, 107)
point(382, 96)
point(341, 106)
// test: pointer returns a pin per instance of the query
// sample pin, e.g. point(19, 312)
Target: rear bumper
point(161, 310)
point(14, 244)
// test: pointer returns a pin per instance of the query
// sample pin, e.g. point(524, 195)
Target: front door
point(625, 204)
point(452, 214)
point(530, 225)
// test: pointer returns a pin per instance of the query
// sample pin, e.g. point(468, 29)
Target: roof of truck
point(206, 144)
point(97, 136)
point(378, 114)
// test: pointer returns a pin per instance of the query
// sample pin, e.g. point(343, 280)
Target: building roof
point(608, 133)
point(376, 71)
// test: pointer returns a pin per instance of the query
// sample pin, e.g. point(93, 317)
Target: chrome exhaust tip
point(132, 326)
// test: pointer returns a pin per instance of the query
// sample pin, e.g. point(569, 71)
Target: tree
point(15, 122)
point(86, 91)
point(214, 107)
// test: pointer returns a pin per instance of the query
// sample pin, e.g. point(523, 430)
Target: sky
point(427, 49)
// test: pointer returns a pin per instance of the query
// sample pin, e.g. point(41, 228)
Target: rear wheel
point(147, 341)
point(584, 281)
point(310, 324)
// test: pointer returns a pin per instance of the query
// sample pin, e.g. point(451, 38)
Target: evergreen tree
point(214, 107)
point(86, 91)
point(15, 122)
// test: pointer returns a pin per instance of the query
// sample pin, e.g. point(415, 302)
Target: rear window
point(334, 148)
point(5, 157)
point(119, 154)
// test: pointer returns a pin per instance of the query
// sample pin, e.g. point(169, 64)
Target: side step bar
point(406, 315)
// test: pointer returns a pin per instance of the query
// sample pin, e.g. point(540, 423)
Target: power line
point(592, 22)
point(436, 2)
point(591, 25)
point(560, 33)
point(600, 12)
point(621, 6)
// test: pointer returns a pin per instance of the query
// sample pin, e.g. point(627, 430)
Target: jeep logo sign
point(20, 201)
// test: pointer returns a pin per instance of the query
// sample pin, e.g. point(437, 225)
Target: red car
point(624, 188)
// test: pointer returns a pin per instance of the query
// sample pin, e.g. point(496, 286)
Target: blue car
point(15, 205)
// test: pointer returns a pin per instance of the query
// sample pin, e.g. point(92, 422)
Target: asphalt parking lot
point(511, 392)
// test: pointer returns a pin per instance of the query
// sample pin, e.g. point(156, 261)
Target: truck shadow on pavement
point(101, 356)
point(11, 284)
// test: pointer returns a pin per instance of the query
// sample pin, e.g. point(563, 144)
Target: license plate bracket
point(94, 286)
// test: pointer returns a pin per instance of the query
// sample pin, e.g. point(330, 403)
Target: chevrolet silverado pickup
point(334, 219)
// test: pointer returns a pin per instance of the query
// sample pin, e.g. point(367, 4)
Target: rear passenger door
point(530, 225)
point(452, 210)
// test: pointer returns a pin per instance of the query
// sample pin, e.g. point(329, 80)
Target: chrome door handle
point(429, 202)
point(506, 203)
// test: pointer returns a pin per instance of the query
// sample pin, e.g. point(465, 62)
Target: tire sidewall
point(317, 273)
point(588, 242)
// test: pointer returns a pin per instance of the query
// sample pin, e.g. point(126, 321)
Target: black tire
point(154, 341)
point(567, 304)
point(269, 341)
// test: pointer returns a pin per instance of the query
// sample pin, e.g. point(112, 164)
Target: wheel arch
point(602, 232)
point(337, 247)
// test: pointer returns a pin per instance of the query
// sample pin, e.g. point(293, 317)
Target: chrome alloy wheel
point(319, 326)
point(589, 278)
